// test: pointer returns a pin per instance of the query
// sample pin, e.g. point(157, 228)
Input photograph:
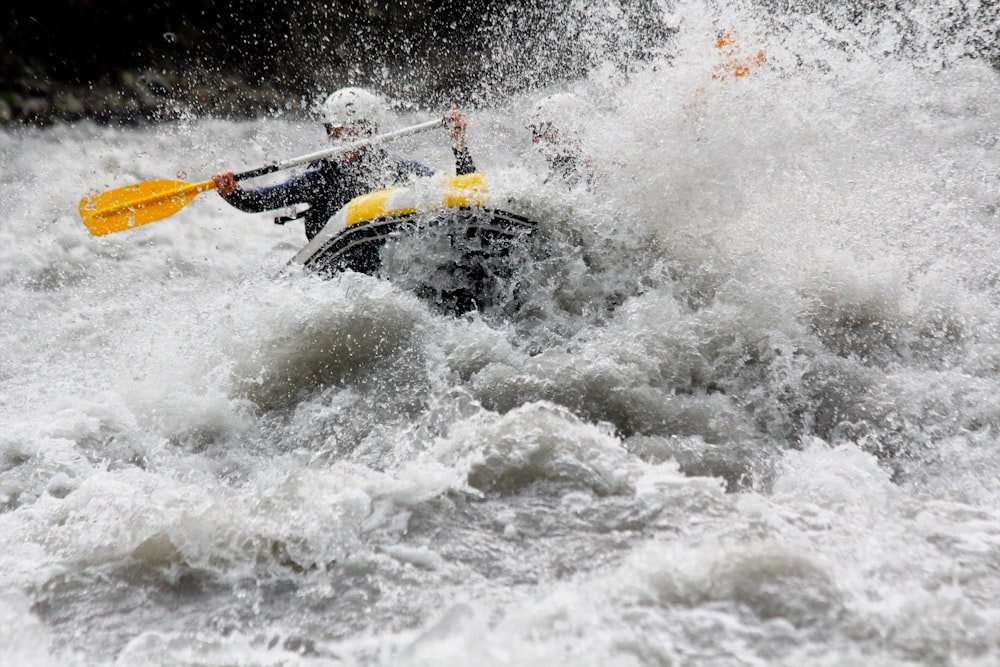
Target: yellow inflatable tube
point(352, 238)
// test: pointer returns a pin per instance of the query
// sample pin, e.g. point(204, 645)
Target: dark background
point(123, 61)
point(126, 62)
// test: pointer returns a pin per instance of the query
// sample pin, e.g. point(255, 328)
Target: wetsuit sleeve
point(407, 168)
point(463, 162)
point(297, 190)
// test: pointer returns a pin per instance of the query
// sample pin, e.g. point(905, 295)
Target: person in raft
point(556, 126)
point(349, 114)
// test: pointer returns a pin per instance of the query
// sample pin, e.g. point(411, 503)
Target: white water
point(749, 417)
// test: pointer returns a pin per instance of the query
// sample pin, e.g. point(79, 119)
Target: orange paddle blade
point(133, 205)
point(736, 62)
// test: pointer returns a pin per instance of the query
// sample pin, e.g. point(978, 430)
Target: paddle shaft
point(133, 205)
point(342, 148)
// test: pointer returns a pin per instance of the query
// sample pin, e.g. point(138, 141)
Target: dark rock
point(33, 108)
point(67, 105)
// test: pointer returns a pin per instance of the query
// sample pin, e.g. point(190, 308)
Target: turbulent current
point(747, 412)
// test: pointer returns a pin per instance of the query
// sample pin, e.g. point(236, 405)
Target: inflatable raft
point(448, 224)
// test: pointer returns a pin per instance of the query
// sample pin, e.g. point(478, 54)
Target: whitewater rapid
point(748, 415)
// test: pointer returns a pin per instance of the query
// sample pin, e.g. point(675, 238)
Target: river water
point(747, 415)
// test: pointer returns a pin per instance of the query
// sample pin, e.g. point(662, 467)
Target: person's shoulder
point(325, 168)
point(405, 166)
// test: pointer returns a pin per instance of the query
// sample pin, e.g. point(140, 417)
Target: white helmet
point(563, 113)
point(349, 105)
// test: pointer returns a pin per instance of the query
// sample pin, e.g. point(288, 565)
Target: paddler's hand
point(225, 183)
point(457, 122)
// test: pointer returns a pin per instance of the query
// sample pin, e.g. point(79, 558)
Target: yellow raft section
point(458, 192)
point(438, 192)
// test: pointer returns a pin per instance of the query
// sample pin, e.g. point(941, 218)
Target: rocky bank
point(118, 61)
point(121, 62)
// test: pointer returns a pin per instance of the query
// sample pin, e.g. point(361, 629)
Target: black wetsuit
point(327, 185)
point(570, 169)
